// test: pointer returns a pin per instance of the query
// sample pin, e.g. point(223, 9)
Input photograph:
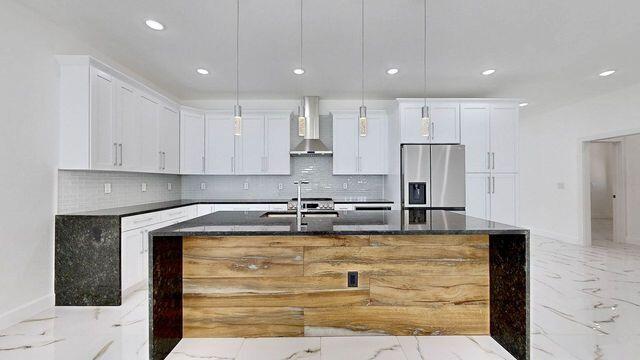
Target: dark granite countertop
point(166, 205)
point(347, 223)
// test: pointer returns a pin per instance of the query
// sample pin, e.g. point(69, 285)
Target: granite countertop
point(166, 205)
point(225, 223)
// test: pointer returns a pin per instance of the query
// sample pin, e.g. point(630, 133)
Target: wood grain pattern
point(306, 291)
point(429, 290)
point(277, 241)
point(397, 260)
point(481, 240)
point(444, 320)
point(242, 322)
point(206, 261)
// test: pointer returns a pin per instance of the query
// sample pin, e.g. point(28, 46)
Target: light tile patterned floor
point(585, 304)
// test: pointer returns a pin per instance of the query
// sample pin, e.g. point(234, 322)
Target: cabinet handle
point(160, 160)
point(493, 191)
point(203, 169)
point(164, 160)
point(142, 220)
point(488, 184)
point(493, 161)
point(115, 154)
point(120, 145)
point(141, 241)
point(433, 130)
point(233, 164)
point(488, 160)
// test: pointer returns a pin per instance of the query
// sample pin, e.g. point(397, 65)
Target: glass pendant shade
point(362, 123)
point(302, 121)
point(237, 120)
point(425, 121)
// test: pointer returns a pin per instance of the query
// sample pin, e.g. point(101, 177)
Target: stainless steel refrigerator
point(433, 177)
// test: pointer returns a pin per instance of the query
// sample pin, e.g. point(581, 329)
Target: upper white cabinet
point(278, 135)
point(356, 149)
point(443, 127)
point(168, 142)
point(192, 145)
point(490, 133)
point(220, 153)
point(111, 122)
point(251, 145)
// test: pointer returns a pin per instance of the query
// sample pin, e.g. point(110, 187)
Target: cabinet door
point(104, 140)
point(475, 136)
point(445, 123)
point(504, 138)
point(345, 143)
point(278, 137)
point(169, 130)
point(192, 134)
point(131, 253)
point(220, 144)
point(411, 124)
point(130, 127)
point(503, 198)
point(252, 145)
point(478, 195)
point(149, 113)
point(372, 149)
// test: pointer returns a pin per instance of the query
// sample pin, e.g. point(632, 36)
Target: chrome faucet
point(299, 206)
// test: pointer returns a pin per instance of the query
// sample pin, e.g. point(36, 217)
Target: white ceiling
point(547, 52)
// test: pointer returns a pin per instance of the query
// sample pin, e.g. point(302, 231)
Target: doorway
point(612, 179)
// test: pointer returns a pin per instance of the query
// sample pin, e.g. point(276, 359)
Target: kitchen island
point(412, 272)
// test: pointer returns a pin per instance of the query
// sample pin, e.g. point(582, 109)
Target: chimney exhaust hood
point(311, 145)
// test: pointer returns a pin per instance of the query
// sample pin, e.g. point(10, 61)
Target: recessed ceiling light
point(523, 104)
point(488, 72)
point(298, 71)
point(392, 71)
point(202, 71)
point(607, 73)
point(154, 25)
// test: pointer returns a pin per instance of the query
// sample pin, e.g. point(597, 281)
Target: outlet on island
point(352, 279)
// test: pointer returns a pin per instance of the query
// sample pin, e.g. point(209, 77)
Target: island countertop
point(229, 223)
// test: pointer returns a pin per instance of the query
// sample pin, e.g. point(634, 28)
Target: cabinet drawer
point(344, 207)
point(173, 214)
point(138, 221)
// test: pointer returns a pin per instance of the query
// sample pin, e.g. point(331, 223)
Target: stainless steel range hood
point(311, 145)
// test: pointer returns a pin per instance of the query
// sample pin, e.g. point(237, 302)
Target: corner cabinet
point(111, 122)
point(443, 128)
point(211, 146)
point(359, 150)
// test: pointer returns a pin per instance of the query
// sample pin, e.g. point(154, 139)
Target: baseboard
point(554, 235)
point(632, 240)
point(24, 312)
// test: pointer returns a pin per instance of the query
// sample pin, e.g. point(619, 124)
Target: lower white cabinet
point(492, 196)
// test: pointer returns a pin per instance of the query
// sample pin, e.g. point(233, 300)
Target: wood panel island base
point(364, 273)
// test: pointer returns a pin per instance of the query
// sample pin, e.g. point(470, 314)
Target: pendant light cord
point(301, 66)
point(362, 49)
point(237, 50)
point(425, 53)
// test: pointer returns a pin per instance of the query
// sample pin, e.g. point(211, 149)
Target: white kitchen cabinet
point(478, 195)
point(205, 209)
point(444, 126)
point(148, 112)
point(129, 127)
point(504, 137)
point(241, 207)
point(169, 140)
point(192, 143)
point(278, 138)
point(356, 151)
point(251, 149)
point(504, 189)
point(220, 153)
point(104, 137)
point(475, 136)
point(131, 258)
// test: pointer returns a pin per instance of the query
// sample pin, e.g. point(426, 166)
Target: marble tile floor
point(585, 304)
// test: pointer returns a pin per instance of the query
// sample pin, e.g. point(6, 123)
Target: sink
point(290, 214)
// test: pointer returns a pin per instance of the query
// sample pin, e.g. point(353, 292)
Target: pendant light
point(237, 109)
point(363, 109)
point(302, 120)
point(425, 123)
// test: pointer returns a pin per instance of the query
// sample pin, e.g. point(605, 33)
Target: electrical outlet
point(203, 186)
point(144, 187)
point(352, 279)
point(560, 185)
point(169, 186)
point(107, 188)
point(246, 186)
point(280, 187)
point(344, 186)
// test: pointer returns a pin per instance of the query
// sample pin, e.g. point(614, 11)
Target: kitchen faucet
point(299, 206)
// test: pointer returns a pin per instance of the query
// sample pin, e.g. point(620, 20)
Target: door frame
point(584, 181)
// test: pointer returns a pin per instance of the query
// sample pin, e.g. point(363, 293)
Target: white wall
point(602, 179)
point(28, 134)
point(550, 160)
point(632, 170)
